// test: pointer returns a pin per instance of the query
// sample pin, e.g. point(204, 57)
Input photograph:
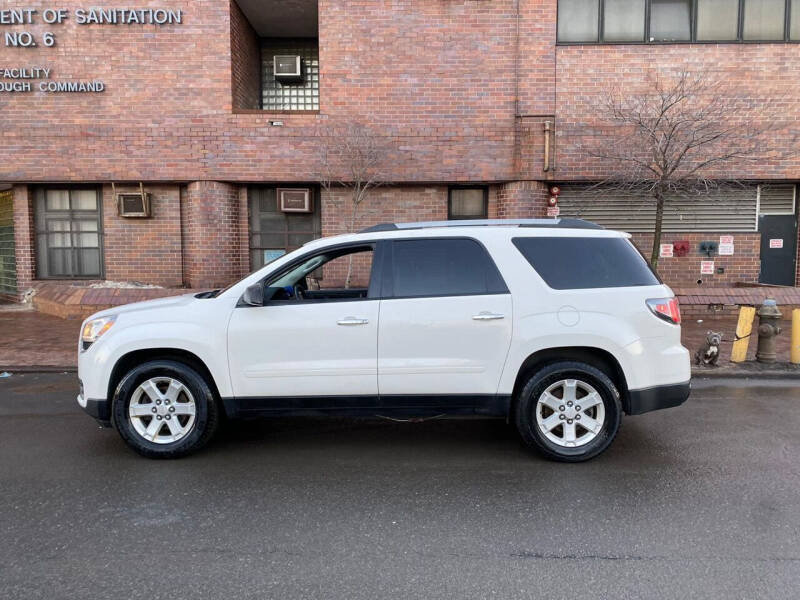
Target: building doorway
point(777, 224)
point(8, 265)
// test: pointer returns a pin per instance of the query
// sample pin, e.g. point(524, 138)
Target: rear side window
point(574, 263)
point(449, 267)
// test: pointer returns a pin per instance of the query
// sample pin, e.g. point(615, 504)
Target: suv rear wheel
point(569, 411)
point(164, 409)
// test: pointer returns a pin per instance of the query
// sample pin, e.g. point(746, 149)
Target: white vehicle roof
point(478, 228)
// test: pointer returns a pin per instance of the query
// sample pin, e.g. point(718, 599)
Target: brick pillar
point(522, 200)
point(212, 234)
point(24, 238)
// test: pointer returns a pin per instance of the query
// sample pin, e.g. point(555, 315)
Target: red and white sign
point(665, 250)
point(725, 239)
point(553, 211)
point(706, 267)
point(725, 249)
point(776, 243)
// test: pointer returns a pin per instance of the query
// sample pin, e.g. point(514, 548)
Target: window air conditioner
point(136, 204)
point(295, 200)
point(287, 68)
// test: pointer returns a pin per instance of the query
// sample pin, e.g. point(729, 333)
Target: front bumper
point(99, 409)
point(658, 397)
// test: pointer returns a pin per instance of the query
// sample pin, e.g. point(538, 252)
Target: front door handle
point(352, 321)
point(487, 316)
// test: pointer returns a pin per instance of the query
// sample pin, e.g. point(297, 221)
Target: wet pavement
point(698, 501)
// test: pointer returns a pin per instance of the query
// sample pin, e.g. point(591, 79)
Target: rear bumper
point(656, 398)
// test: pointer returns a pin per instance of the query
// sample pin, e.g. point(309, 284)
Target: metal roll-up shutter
point(728, 210)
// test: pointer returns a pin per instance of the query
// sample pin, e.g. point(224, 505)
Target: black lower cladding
point(490, 405)
point(99, 409)
point(656, 398)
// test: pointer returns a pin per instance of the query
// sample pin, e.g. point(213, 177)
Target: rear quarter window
point(575, 263)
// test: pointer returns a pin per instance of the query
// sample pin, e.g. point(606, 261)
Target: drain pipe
point(546, 125)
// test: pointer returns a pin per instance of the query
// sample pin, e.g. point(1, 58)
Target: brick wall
point(146, 250)
point(245, 62)
point(212, 234)
point(743, 266)
point(459, 88)
point(24, 238)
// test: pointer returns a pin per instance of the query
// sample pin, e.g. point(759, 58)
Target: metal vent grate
point(776, 199)
point(731, 210)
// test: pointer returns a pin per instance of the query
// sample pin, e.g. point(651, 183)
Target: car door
point(306, 349)
point(445, 325)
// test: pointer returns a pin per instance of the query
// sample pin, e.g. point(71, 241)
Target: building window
point(659, 21)
point(468, 203)
point(274, 233)
point(577, 20)
point(764, 19)
point(68, 234)
point(670, 20)
point(302, 93)
point(794, 22)
point(623, 21)
point(717, 20)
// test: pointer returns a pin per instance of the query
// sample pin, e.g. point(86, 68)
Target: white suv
point(558, 325)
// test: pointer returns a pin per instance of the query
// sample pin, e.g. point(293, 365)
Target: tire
point(187, 422)
point(586, 435)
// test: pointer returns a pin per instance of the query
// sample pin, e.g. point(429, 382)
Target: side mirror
point(254, 295)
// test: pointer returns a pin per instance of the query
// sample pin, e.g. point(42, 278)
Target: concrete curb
point(38, 369)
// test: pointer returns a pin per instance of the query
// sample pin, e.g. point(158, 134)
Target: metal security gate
point(8, 265)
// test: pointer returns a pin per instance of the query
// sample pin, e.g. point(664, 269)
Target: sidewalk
point(29, 340)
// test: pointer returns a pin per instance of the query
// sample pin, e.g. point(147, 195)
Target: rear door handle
point(352, 321)
point(487, 316)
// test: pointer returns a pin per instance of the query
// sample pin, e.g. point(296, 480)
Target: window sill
point(266, 113)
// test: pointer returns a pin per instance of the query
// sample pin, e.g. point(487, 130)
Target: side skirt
point(488, 405)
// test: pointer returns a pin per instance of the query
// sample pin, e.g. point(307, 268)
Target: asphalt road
point(698, 501)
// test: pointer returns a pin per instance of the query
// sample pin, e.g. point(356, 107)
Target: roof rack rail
point(559, 223)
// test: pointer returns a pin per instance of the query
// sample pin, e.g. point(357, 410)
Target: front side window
point(467, 203)
point(336, 274)
point(574, 263)
point(68, 234)
point(442, 267)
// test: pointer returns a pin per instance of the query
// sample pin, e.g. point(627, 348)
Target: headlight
point(93, 329)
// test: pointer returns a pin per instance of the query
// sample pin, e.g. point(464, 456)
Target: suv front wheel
point(164, 409)
point(569, 411)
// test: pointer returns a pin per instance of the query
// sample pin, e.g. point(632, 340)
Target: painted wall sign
point(666, 250)
point(706, 267)
point(776, 243)
point(725, 249)
point(21, 78)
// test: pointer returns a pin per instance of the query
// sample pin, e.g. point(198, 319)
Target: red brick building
point(181, 100)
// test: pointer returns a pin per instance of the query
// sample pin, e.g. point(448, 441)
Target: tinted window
point(443, 268)
point(580, 263)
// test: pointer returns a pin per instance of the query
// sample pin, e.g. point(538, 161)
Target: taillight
point(666, 308)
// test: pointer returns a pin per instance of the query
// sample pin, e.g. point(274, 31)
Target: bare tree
point(353, 161)
point(681, 136)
